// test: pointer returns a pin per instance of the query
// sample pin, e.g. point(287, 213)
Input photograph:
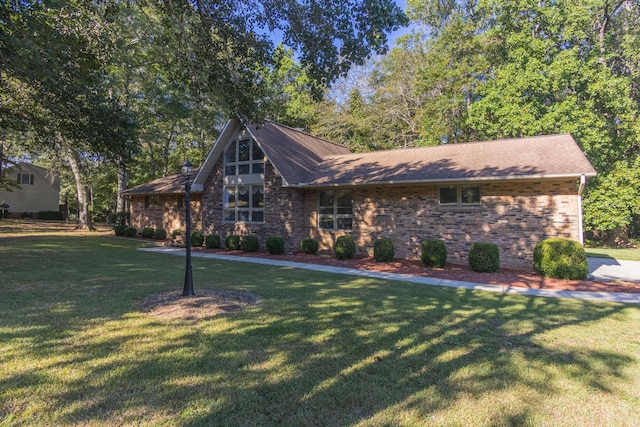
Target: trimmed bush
point(309, 246)
point(212, 241)
point(484, 257)
point(232, 242)
point(345, 247)
point(130, 232)
point(50, 215)
point(275, 245)
point(176, 233)
point(383, 250)
point(160, 234)
point(250, 243)
point(197, 239)
point(118, 230)
point(561, 259)
point(433, 253)
point(147, 232)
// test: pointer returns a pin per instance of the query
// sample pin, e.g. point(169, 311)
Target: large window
point(243, 182)
point(151, 202)
point(335, 211)
point(460, 195)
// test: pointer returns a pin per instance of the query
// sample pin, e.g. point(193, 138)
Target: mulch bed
point(505, 277)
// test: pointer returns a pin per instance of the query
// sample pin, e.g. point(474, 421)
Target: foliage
point(484, 257)
point(275, 245)
point(561, 259)
point(344, 247)
point(433, 253)
point(119, 230)
point(197, 239)
point(177, 232)
point(309, 246)
point(147, 232)
point(130, 232)
point(232, 242)
point(383, 250)
point(119, 218)
point(49, 215)
point(212, 241)
point(160, 234)
point(250, 243)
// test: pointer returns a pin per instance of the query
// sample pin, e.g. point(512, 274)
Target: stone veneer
point(513, 215)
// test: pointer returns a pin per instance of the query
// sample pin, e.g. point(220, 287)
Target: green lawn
point(632, 254)
point(318, 349)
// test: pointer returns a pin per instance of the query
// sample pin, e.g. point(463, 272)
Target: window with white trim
point(335, 210)
point(243, 196)
point(459, 195)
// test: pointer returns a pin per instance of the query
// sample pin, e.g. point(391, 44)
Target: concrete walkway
point(613, 269)
point(594, 296)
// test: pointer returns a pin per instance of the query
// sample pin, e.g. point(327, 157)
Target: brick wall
point(283, 211)
point(515, 216)
point(167, 215)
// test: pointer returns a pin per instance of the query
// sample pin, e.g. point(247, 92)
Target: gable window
point(151, 202)
point(459, 195)
point(25, 179)
point(335, 210)
point(243, 196)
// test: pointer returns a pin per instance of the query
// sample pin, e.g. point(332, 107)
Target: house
point(270, 179)
point(37, 190)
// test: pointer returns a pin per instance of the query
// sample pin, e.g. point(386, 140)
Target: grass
point(319, 349)
point(631, 254)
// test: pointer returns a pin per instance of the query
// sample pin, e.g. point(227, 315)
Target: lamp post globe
point(188, 277)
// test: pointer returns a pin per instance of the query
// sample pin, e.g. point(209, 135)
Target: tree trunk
point(122, 185)
point(84, 217)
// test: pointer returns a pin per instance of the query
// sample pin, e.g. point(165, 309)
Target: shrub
point(130, 232)
point(484, 257)
point(250, 243)
point(433, 253)
point(232, 242)
point(147, 232)
point(160, 234)
point(212, 241)
point(177, 233)
point(197, 239)
point(118, 218)
point(275, 245)
point(383, 250)
point(50, 215)
point(561, 259)
point(309, 246)
point(118, 230)
point(345, 247)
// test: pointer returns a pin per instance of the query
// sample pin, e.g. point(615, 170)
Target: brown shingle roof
point(296, 155)
point(521, 158)
point(171, 184)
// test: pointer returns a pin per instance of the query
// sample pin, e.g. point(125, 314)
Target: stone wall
point(515, 216)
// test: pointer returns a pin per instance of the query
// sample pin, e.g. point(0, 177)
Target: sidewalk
point(593, 296)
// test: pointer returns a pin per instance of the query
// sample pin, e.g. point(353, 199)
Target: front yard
point(316, 349)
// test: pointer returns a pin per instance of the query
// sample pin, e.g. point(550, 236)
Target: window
point(457, 195)
point(25, 179)
point(151, 202)
point(335, 211)
point(243, 198)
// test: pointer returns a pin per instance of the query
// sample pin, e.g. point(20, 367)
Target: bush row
point(147, 232)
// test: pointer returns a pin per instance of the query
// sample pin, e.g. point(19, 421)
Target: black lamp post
point(188, 278)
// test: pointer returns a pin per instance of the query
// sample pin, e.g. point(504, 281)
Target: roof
point(554, 156)
point(47, 175)
point(303, 160)
point(171, 184)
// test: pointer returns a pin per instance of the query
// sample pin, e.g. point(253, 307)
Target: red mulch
point(505, 277)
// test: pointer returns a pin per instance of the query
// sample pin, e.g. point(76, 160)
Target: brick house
point(270, 179)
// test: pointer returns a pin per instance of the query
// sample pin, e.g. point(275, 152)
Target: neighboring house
point(273, 180)
point(38, 190)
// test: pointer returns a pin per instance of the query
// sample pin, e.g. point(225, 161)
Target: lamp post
point(188, 278)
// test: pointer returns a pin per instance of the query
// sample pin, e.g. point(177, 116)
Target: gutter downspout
point(583, 181)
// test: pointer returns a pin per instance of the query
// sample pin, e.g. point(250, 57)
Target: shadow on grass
point(319, 349)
